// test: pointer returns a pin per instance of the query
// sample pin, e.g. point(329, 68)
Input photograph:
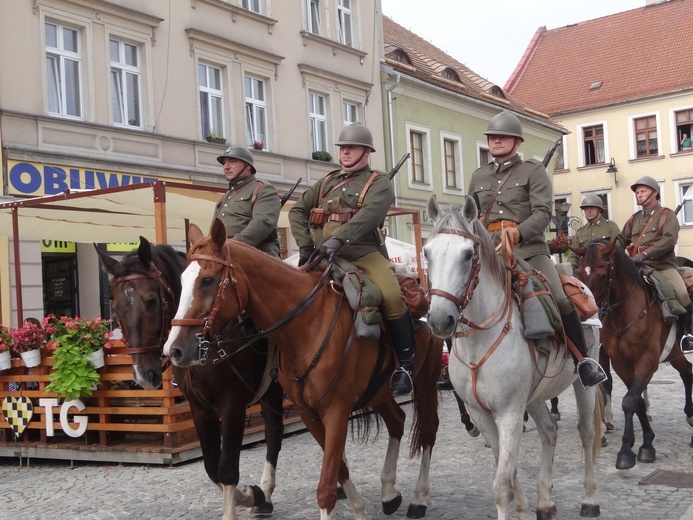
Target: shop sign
point(58, 246)
point(122, 247)
point(28, 178)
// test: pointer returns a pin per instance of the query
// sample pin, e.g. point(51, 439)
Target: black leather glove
point(331, 246)
point(304, 254)
point(639, 258)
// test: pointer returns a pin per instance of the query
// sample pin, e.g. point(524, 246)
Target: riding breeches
point(382, 273)
point(674, 278)
point(544, 264)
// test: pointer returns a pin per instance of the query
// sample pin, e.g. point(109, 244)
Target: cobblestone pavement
point(462, 470)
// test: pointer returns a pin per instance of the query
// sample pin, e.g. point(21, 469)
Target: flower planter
point(216, 140)
point(5, 360)
point(96, 358)
point(31, 358)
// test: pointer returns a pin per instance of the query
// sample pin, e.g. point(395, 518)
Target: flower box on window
point(216, 139)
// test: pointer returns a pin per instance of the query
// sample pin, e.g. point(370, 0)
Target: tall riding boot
point(402, 335)
point(687, 338)
point(589, 371)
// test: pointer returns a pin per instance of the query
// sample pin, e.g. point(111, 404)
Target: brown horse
point(146, 292)
point(635, 338)
point(324, 367)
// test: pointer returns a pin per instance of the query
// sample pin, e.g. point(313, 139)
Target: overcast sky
point(491, 36)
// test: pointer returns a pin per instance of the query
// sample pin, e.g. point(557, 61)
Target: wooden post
point(160, 212)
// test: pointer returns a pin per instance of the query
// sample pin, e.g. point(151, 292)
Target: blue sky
point(490, 36)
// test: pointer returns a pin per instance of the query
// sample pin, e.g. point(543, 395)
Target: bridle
point(165, 294)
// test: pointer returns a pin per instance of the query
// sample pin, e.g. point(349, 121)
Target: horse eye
point(469, 255)
point(151, 303)
point(207, 281)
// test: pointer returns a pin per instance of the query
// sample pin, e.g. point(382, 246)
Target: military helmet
point(238, 152)
point(646, 181)
point(356, 134)
point(592, 201)
point(505, 123)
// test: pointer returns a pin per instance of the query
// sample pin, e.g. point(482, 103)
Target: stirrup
point(403, 386)
point(590, 373)
point(686, 343)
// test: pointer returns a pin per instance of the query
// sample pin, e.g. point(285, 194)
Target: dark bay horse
point(324, 367)
point(146, 293)
point(634, 337)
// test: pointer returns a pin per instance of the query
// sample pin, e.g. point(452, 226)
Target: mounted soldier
point(596, 228)
point(650, 237)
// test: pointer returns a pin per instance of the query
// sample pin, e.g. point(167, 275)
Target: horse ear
point(144, 252)
point(194, 234)
point(218, 233)
point(470, 210)
point(433, 208)
point(108, 263)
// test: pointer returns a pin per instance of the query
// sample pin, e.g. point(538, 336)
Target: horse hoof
point(604, 443)
point(590, 510)
point(474, 432)
point(556, 416)
point(625, 461)
point(341, 495)
point(393, 505)
point(647, 455)
point(547, 514)
point(263, 509)
point(609, 427)
point(416, 511)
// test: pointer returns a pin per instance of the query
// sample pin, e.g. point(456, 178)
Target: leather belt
point(333, 217)
point(497, 226)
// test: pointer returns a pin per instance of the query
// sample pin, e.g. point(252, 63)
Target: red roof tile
point(635, 54)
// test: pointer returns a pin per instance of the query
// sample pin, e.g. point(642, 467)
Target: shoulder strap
point(256, 190)
point(322, 196)
point(646, 226)
point(495, 193)
point(373, 176)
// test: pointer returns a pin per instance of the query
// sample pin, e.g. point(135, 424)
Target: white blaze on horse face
point(587, 270)
point(187, 280)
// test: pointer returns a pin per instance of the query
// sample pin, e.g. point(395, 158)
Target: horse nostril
point(175, 354)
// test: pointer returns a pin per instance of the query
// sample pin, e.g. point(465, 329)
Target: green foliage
point(322, 156)
point(5, 339)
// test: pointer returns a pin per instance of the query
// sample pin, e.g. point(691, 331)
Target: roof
point(428, 64)
point(635, 54)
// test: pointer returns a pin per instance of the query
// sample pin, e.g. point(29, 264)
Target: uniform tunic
point(361, 244)
point(601, 229)
point(248, 222)
point(657, 245)
point(525, 198)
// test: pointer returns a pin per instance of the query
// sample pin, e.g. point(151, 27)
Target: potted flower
point(77, 343)
point(5, 346)
point(27, 342)
point(559, 245)
point(258, 145)
point(322, 156)
point(216, 139)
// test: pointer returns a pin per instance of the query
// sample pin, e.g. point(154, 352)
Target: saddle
point(664, 292)
point(540, 315)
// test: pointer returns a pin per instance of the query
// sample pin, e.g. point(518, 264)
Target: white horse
point(495, 370)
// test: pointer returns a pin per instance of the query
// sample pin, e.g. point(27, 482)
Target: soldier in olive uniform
point(250, 208)
point(514, 198)
point(653, 232)
point(342, 214)
point(597, 227)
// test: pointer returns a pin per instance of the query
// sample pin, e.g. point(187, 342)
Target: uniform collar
point(652, 210)
point(235, 184)
point(502, 168)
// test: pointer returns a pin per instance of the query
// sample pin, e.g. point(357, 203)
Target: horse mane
point(622, 262)
point(455, 220)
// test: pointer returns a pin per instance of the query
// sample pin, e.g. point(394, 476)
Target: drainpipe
point(393, 160)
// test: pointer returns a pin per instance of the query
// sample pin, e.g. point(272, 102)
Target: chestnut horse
point(146, 292)
point(324, 367)
point(634, 337)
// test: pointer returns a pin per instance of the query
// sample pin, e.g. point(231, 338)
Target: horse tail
point(599, 406)
point(362, 422)
point(425, 398)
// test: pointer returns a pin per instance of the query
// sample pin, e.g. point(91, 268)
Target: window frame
point(686, 201)
point(678, 133)
point(124, 68)
point(343, 14)
point(60, 78)
point(313, 26)
point(632, 121)
point(345, 112)
point(317, 120)
point(259, 107)
point(456, 142)
point(254, 6)
point(213, 127)
point(581, 149)
point(426, 164)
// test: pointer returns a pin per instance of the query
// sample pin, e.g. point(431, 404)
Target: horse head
point(214, 294)
point(596, 267)
point(455, 252)
point(146, 289)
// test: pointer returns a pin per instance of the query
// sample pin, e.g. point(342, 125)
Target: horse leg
point(464, 417)
point(646, 453)
point(394, 418)
point(506, 485)
point(608, 385)
point(589, 424)
point(546, 427)
point(272, 405)
point(632, 401)
point(683, 367)
point(554, 409)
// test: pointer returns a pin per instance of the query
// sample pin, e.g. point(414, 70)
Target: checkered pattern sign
point(18, 411)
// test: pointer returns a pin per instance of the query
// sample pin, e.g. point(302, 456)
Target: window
point(594, 144)
point(344, 14)
point(400, 56)
point(313, 16)
point(63, 70)
point(125, 84)
point(646, 136)
point(256, 112)
point(450, 74)
point(684, 125)
point(485, 156)
point(450, 163)
point(560, 158)
point(317, 113)
point(687, 201)
point(350, 113)
point(416, 146)
point(252, 5)
point(211, 101)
